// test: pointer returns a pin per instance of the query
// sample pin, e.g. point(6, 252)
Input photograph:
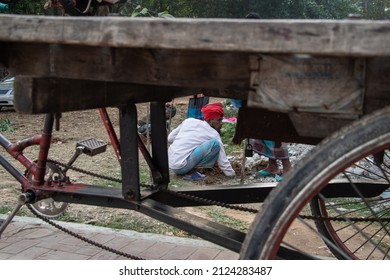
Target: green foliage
point(6, 125)
point(227, 132)
point(132, 10)
point(26, 7)
point(229, 110)
point(375, 9)
point(140, 12)
point(267, 9)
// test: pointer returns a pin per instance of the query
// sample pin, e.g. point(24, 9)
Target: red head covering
point(213, 111)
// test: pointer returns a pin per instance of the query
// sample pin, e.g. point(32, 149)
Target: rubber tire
point(307, 179)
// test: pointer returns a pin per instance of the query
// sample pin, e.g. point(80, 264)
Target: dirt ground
point(80, 125)
point(76, 126)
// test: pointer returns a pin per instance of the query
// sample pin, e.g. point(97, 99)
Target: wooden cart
point(303, 81)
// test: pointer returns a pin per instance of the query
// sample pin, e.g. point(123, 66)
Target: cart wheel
point(362, 225)
point(48, 207)
point(348, 218)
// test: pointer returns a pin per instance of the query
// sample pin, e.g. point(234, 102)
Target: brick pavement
point(32, 239)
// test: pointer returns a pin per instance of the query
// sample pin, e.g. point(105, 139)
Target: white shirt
point(187, 136)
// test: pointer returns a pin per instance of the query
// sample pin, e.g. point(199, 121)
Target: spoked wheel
point(338, 194)
point(48, 207)
point(366, 234)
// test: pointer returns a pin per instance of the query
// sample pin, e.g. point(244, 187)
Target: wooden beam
point(50, 95)
point(377, 84)
point(141, 66)
point(319, 37)
point(259, 123)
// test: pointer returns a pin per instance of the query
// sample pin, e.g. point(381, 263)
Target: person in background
point(273, 150)
point(197, 144)
point(144, 126)
point(195, 105)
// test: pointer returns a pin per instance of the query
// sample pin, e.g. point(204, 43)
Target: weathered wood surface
point(61, 95)
point(133, 65)
point(330, 37)
point(77, 63)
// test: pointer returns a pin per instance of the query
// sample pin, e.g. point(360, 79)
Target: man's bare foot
point(271, 170)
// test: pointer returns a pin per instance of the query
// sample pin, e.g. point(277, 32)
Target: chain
point(340, 219)
point(47, 220)
point(205, 201)
point(92, 174)
point(201, 200)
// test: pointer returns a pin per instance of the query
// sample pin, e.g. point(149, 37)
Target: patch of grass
point(6, 125)
point(24, 211)
point(126, 222)
point(5, 209)
point(109, 183)
point(219, 216)
point(144, 175)
point(142, 225)
point(177, 181)
point(385, 246)
point(68, 216)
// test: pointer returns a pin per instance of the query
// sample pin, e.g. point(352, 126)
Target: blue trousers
point(203, 156)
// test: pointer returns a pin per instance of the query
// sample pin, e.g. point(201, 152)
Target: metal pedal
point(92, 146)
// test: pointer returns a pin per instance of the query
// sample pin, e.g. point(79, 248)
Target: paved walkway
point(32, 239)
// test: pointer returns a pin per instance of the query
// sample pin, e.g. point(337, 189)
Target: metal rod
point(23, 199)
point(13, 171)
point(159, 140)
point(129, 152)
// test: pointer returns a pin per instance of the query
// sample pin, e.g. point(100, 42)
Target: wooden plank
point(205, 54)
point(130, 65)
point(331, 85)
point(50, 95)
point(318, 125)
point(259, 123)
point(221, 74)
point(331, 37)
point(377, 84)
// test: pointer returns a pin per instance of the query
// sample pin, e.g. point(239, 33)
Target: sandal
point(264, 173)
point(196, 176)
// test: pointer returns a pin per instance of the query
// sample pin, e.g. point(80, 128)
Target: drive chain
point(201, 200)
